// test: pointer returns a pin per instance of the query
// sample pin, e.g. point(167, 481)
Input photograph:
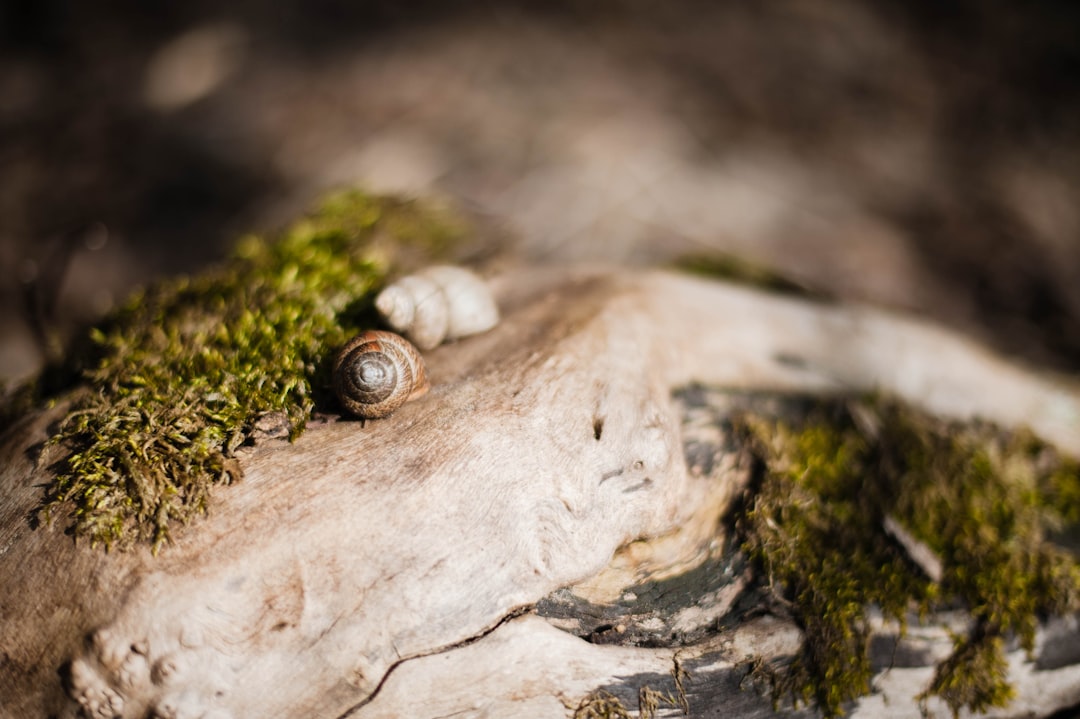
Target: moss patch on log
point(984, 503)
point(738, 270)
point(174, 381)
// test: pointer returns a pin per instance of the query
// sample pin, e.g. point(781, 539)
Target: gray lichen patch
point(177, 379)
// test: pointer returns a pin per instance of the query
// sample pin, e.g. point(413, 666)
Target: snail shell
point(438, 303)
point(377, 372)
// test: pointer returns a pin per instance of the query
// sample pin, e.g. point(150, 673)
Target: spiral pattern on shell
point(376, 372)
point(438, 303)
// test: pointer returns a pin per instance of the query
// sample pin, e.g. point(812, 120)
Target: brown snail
point(438, 303)
point(376, 372)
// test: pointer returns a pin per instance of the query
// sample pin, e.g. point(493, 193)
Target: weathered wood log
point(527, 668)
point(381, 569)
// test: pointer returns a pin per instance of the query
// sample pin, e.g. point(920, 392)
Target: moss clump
point(981, 499)
point(975, 675)
point(177, 377)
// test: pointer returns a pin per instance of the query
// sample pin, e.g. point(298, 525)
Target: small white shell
point(438, 303)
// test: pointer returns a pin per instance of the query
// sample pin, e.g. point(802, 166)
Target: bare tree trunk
point(393, 568)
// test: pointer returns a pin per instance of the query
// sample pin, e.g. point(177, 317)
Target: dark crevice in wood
point(510, 616)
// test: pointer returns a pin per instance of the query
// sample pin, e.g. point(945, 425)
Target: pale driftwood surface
point(350, 572)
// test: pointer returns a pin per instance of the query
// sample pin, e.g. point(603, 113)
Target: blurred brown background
point(908, 153)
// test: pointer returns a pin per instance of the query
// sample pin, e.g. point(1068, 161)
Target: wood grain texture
point(363, 551)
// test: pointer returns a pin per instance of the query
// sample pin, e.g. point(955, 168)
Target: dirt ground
point(896, 152)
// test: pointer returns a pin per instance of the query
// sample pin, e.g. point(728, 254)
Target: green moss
point(176, 378)
point(983, 500)
point(743, 272)
point(975, 675)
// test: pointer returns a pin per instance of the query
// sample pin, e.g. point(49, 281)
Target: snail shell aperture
point(377, 372)
point(438, 303)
